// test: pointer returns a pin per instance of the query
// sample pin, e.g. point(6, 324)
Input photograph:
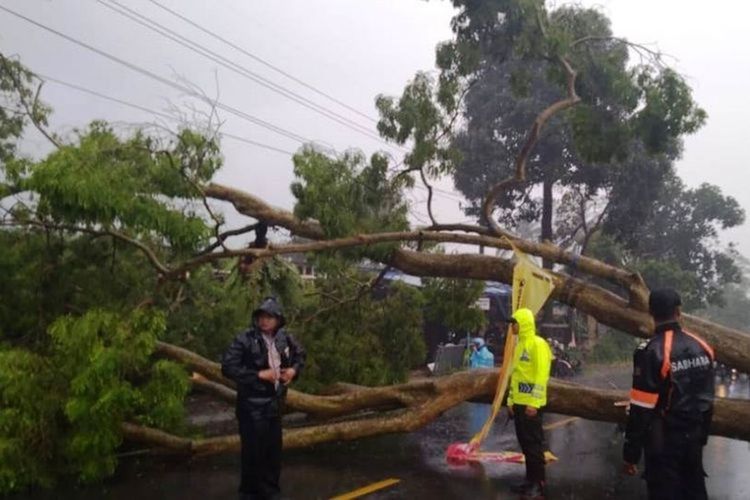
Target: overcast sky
point(352, 51)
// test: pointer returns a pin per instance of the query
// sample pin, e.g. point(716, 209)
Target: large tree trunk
point(630, 316)
point(405, 407)
point(547, 236)
point(547, 211)
point(732, 346)
point(413, 405)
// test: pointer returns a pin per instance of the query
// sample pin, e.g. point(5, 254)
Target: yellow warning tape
point(366, 490)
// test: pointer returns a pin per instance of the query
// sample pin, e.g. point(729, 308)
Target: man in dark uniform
point(262, 361)
point(671, 405)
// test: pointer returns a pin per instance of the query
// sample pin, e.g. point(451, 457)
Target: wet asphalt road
point(588, 469)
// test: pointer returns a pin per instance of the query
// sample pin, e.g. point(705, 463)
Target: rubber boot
point(533, 492)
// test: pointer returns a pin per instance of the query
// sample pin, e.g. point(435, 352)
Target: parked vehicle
point(564, 364)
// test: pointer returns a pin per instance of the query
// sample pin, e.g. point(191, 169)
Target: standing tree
point(613, 133)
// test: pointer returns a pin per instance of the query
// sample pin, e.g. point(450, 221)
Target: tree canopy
point(618, 142)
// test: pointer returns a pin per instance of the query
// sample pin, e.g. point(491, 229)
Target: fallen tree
point(627, 315)
point(406, 407)
point(410, 406)
point(153, 197)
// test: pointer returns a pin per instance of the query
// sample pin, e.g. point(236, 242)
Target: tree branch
point(221, 238)
point(355, 298)
point(252, 206)
point(655, 55)
point(429, 196)
point(148, 252)
point(429, 400)
point(531, 139)
point(30, 109)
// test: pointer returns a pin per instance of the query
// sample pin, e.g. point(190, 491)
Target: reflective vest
point(532, 360)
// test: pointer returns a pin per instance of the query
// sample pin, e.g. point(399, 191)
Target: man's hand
point(531, 411)
point(510, 411)
point(287, 375)
point(630, 469)
point(268, 375)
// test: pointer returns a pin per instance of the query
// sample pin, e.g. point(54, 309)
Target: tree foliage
point(355, 335)
point(348, 195)
point(618, 143)
point(677, 242)
point(734, 310)
point(90, 235)
point(62, 406)
point(451, 302)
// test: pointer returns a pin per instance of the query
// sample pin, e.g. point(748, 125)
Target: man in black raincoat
point(262, 361)
point(671, 405)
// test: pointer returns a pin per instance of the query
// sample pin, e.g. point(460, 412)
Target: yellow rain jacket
point(532, 360)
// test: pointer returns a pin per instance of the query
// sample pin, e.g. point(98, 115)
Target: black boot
point(533, 492)
point(520, 487)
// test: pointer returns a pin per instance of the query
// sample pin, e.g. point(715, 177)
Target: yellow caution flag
point(532, 287)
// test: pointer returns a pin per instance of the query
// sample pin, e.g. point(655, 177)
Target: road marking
point(561, 423)
point(366, 490)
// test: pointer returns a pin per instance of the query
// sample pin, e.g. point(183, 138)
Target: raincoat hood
point(526, 325)
point(270, 306)
point(478, 341)
point(532, 360)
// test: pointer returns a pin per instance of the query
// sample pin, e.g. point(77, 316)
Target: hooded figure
point(272, 307)
point(532, 360)
point(481, 357)
point(527, 396)
point(262, 361)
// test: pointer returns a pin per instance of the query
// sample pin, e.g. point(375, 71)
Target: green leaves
point(17, 102)
point(161, 401)
point(424, 115)
point(349, 196)
point(95, 353)
point(451, 302)
point(62, 409)
point(354, 334)
point(674, 240)
point(126, 185)
point(668, 113)
point(29, 402)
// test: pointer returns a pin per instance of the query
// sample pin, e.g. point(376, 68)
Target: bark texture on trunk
point(412, 405)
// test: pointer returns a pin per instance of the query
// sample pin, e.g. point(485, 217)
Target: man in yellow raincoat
point(527, 397)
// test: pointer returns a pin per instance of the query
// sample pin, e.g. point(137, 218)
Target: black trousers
point(531, 438)
point(674, 466)
point(261, 457)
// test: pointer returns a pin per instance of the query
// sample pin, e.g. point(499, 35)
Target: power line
point(232, 66)
point(153, 76)
point(439, 193)
point(166, 116)
point(262, 61)
point(164, 81)
point(154, 112)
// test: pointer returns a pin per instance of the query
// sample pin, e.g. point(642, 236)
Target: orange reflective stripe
point(643, 398)
point(703, 344)
point(665, 366)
